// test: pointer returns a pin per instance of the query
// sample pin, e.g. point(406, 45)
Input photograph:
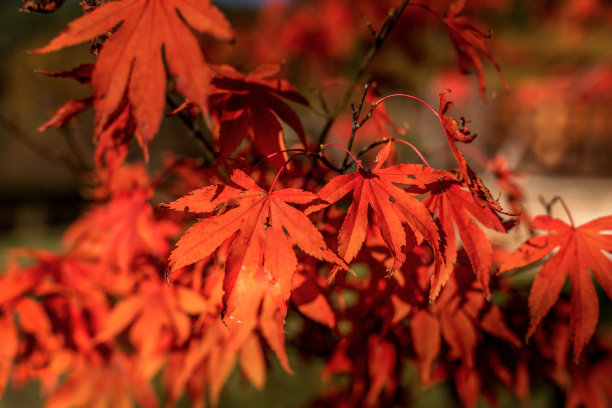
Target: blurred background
point(554, 126)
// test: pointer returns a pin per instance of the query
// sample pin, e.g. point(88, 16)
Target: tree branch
point(379, 37)
point(39, 148)
point(196, 131)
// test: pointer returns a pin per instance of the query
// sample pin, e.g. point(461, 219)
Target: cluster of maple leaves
point(387, 264)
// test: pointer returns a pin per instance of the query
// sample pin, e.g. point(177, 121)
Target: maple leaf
point(9, 350)
point(113, 139)
point(458, 317)
point(591, 385)
point(457, 131)
point(50, 273)
point(73, 107)
point(507, 180)
point(308, 296)
point(455, 207)
point(122, 228)
point(212, 356)
point(157, 316)
point(579, 249)
point(131, 64)
point(381, 364)
point(113, 383)
point(255, 223)
point(469, 43)
point(425, 334)
point(251, 106)
point(392, 207)
point(119, 230)
point(54, 305)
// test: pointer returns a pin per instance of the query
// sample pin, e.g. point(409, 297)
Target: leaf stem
point(39, 148)
point(271, 155)
point(75, 149)
point(549, 204)
point(278, 173)
point(379, 142)
point(413, 147)
point(195, 131)
point(384, 98)
point(323, 147)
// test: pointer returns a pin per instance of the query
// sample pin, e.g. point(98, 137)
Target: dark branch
point(195, 130)
point(379, 38)
point(40, 149)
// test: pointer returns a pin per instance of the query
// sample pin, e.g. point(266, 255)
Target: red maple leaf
point(130, 62)
point(308, 295)
point(392, 207)
point(457, 131)
point(455, 207)
point(255, 223)
point(113, 139)
point(73, 107)
point(591, 384)
point(9, 350)
point(578, 250)
point(507, 181)
point(470, 43)
point(250, 106)
point(458, 317)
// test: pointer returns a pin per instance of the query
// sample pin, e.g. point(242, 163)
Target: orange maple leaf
point(211, 357)
point(157, 319)
point(255, 223)
point(112, 382)
point(118, 231)
point(579, 249)
point(392, 206)
point(131, 64)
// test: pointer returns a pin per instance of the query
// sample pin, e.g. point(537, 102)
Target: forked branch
point(379, 37)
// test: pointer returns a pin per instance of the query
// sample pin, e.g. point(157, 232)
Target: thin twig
point(379, 37)
point(550, 203)
point(323, 160)
point(278, 173)
point(39, 148)
point(76, 150)
point(356, 124)
point(196, 131)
